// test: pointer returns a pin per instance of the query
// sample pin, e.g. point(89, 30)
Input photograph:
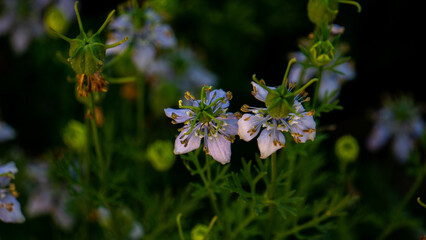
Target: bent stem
point(392, 226)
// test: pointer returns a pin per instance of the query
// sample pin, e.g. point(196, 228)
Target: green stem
point(317, 87)
point(398, 210)
point(284, 88)
point(290, 176)
point(271, 191)
point(299, 228)
point(180, 226)
point(140, 111)
point(207, 182)
point(96, 141)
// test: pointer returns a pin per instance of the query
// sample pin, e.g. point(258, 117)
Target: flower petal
point(216, 94)
point(402, 146)
point(269, 141)
point(187, 143)
point(249, 126)
point(10, 210)
point(9, 167)
point(178, 115)
point(230, 126)
point(259, 92)
point(143, 56)
point(378, 137)
point(219, 148)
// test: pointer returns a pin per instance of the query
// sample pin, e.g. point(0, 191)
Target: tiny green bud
point(199, 232)
point(322, 11)
point(325, 11)
point(347, 148)
point(55, 19)
point(75, 136)
point(322, 53)
point(160, 154)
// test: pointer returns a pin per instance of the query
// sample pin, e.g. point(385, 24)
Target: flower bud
point(322, 11)
point(56, 19)
point(325, 11)
point(199, 232)
point(160, 154)
point(75, 136)
point(322, 53)
point(347, 148)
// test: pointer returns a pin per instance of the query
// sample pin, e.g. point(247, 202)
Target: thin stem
point(283, 89)
point(117, 43)
point(397, 212)
point(104, 24)
point(304, 86)
point(179, 226)
point(80, 24)
point(121, 80)
point(317, 87)
point(207, 182)
point(96, 141)
point(140, 111)
point(69, 40)
point(290, 175)
point(271, 191)
point(351, 3)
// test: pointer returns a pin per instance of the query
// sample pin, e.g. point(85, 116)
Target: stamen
point(228, 96)
point(245, 108)
point(188, 96)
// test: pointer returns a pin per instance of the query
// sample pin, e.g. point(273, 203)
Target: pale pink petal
point(187, 143)
point(219, 148)
point(249, 126)
point(269, 141)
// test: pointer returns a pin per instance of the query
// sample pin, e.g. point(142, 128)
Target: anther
point(245, 108)
point(228, 96)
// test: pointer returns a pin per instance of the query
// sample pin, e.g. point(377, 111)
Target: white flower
point(300, 124)
point(206, 118)
point(401, 121)
point(10, 209)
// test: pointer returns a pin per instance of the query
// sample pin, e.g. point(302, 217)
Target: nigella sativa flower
point(399, 119)
point(146, 39)
point(206, 118)
point(10, 209)
point(284, 112)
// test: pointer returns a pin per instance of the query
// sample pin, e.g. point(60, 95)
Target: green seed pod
point(322, 11)
point(278, 106)
point(75, 136)
point(87, 53)
point(322, 53)
point(160, 154)
point(347, 148)
point(86, 56)
point(325, 11)
point(199, 232)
